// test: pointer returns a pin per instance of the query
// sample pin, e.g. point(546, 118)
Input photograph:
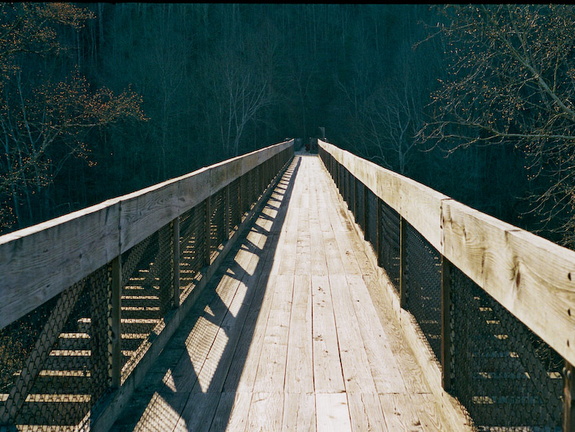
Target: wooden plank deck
point(287, 338)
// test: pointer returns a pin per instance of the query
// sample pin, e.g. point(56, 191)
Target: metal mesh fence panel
point(55, 360)
point(423, 286)
point(371, 203)
point(234, 208)
point(146, 294)
point(360, 204)
point(506, 376)
point(192, 246)
point(252, 188)
point(217, 222)
point(389, 241)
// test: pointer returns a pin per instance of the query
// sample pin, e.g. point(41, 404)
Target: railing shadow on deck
point(166, 400)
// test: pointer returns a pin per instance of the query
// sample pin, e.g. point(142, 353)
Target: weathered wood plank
point(332, 412)
point(356, 368)
point(416, 412)
point(388, 379)
point(232, 412)
point(39, 262)
point(241, 376)
point(366, 413)
point(266, 412)
point(328, 377)
point(299, 367)
point(299, 414)
point(273, 358)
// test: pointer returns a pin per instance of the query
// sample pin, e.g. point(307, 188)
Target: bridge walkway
point(288, 335)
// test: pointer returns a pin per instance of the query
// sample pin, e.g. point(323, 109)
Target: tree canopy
point(101, 99)
point(510, 83)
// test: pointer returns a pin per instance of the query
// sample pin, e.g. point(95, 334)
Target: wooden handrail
point(531, 277)
point(41, 261)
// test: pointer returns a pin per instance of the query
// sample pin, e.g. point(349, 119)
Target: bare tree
point(44, 118)
point(239, 80)
point(512, 83)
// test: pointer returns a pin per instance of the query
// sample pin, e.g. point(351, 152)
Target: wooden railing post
point(402, 262)
point(176, 261)
point(446, 327)
point(568, 393)
point(116, 323)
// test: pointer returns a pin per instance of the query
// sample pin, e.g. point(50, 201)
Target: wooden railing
point(492, 293)
point(89, 299)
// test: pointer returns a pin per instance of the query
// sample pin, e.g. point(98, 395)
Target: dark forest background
point(102, 99)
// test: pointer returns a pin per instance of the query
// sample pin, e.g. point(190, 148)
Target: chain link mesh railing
point(389, 236)
point(57, 362)
point(55, 359)
point(506, 377)
point(422, 271)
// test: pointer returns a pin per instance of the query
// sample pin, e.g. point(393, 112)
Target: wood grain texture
point(39, 262)
point(332, 412)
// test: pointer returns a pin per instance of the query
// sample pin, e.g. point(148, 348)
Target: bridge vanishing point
point(285, 291)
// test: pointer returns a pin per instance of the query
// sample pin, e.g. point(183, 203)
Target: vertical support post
point(402, 262)
point(116, 323)
point(176, 261)
point(568, 393)
point(446, 328)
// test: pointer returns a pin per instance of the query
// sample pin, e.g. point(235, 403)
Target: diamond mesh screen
point(389, 242)
point(504, 375)
point(423, 286)
point(55, 359)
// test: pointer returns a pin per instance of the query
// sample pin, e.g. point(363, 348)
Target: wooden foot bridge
point(283, 291)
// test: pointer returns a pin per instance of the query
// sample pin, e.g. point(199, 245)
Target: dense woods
point(102, 99)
